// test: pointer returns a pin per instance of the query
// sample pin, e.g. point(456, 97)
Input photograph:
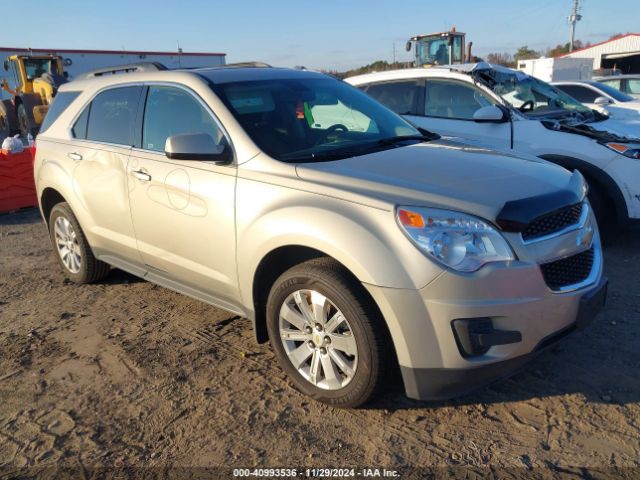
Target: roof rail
point(246, 64)
point(118, 69)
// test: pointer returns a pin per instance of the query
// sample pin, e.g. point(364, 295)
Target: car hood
point(443, 173)
point(623, 127)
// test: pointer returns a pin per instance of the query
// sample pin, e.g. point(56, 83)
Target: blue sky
point(329, 34)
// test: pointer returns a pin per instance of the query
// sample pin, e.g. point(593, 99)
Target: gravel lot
point(123, 375)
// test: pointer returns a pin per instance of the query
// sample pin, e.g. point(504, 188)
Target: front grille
point(553, 222)
point(568, 271)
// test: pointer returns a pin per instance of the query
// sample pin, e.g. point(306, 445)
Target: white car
point(603, 98)
point(506, 109)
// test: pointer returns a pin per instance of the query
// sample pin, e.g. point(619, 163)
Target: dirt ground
point(125, 375)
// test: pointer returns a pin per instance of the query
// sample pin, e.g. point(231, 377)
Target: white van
point(506, 109)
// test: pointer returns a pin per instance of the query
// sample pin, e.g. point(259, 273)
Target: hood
point(444, 174)
point(609, 130)
point(629, 128)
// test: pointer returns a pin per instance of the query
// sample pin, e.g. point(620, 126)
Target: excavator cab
point(36, 80)
point(443, 48)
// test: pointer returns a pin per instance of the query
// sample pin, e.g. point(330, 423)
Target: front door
point(183, 210)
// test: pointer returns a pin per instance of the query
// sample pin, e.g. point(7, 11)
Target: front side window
point(401, 97)
point(112, 115)
point(451, 99)
point(311, 118)
point(173, 111)
point(581, 94)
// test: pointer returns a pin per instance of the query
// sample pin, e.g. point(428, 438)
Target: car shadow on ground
point(24, 216)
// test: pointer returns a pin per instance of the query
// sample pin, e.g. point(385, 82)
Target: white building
point(622, 53)
point(80, 61)
point(557, 69)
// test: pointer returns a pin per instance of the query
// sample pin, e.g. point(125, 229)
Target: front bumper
point(443, 383)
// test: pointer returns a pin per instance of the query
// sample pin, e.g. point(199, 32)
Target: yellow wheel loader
point(36, 78)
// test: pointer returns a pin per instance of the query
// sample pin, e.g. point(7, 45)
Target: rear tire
point(327, 334)
point(72, 249)
point(26, 126)
point(8, 120)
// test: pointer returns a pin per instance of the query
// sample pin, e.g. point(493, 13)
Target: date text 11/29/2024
point(315, 472)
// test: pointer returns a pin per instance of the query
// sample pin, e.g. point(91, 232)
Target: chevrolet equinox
point(357, 244)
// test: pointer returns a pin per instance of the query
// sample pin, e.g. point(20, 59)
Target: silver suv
point(355, 242)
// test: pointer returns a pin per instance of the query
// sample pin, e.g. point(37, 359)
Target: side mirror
point(407, 46)
point(196, 146)
point(602, 101)
point(490, 114)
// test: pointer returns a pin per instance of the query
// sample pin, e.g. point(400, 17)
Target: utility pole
point(574, 18)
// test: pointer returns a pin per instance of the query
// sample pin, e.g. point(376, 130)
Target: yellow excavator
point(37, 78)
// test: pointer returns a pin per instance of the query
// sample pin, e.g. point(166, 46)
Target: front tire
point(327, 335)
point(72, 249)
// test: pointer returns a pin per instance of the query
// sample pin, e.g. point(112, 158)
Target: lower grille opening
point(568, 271)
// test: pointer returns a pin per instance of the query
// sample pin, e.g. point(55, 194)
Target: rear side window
point(60, 103)
point(633, 86)
point(582, 94)
point(79, 129)
point(401, 97)
point(112, 116)
point(612, 83)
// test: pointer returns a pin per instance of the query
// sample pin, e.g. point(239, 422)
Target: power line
point(574, 18)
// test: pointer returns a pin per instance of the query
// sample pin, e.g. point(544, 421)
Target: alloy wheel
point(67, 244)
point(318, 340)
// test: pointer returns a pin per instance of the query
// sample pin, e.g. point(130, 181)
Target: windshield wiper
point(403, 138)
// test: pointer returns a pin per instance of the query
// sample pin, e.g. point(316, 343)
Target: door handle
point(141, 175)
point(74, 156)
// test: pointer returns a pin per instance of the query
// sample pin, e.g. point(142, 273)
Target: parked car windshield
point(312, 118)
point(531, 96)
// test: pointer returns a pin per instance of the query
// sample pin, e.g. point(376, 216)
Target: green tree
point(525, 53)
point(504, 59)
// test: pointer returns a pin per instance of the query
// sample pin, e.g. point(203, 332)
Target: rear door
point(103, 134)
point(183, 210)
point(447, 108)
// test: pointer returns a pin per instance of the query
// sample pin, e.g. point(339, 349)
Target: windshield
point(530, 95)
point(35, 67)
point(612, 92)
point(306, 119)
point(435, 50)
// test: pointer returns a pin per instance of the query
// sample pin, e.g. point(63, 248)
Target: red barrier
point(17, 188)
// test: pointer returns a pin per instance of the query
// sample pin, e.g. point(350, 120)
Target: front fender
point(366, 240)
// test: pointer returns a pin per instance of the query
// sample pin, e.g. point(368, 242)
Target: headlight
point(459, 241)
point(626, 150)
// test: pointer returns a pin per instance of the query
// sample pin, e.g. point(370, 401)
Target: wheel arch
point(594, 174)
point(282, 258)
point(50, 198)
